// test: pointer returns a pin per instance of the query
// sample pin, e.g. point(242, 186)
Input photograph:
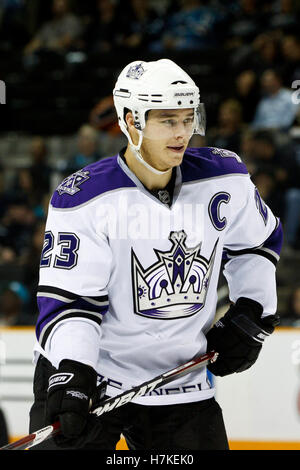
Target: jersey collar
point(139, 184)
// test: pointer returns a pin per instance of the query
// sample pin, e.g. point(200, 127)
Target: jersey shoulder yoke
point(89, 182)
point(210, 162)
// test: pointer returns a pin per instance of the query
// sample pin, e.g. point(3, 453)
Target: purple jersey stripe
point(275, 240)
point(50, 308)
point(270, 249)
point(44, 328)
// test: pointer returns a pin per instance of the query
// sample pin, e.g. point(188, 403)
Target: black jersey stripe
point(97, 318)
point(266, 254)
point(67, 294)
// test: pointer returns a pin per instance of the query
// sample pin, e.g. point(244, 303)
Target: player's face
point(166, 137)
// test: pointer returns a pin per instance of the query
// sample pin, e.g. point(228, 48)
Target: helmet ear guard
point(124, 128)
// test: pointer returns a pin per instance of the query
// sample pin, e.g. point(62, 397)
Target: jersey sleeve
point(252, 249)
point(74, 271)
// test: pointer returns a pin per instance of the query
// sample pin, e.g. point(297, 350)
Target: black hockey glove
point(70, 392)
point(238, 337)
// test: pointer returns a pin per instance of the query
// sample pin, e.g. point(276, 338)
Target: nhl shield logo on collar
point(135, 71)
point(71, 183)
point(176, 285)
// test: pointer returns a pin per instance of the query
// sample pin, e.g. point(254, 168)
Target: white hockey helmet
point(161, 84)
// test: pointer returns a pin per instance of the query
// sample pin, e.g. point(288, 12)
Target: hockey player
point(129, 272)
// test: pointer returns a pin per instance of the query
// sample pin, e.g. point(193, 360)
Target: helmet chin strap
point(136, 151)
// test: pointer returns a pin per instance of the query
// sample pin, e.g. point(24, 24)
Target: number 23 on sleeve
point(67, 257)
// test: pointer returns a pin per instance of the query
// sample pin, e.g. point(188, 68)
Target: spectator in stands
point(32, 182)
point(13, 33)
point(290, 46)
point(246, 93)
point(16, 229)
point(3, 192)
point(259, 54)
point(247, 21)
point(247, 147)
point(265, 181)
point(285, 16)
point(193, 27)
point(265, 53)
point(88, 150)
point(99, 35)
point(294, 132)
point(230, 126)
point(282, 162)
point(292, 219)
point(276, 109)
point(267, 154)
point(58, 34)
point(102, 32)
point(13, 298)
point(30, 263)
point(23, 187)
point(103, 117)
point(39, 169)
point(144, 26)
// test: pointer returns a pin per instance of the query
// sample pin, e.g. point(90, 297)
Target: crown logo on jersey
point(176, 285)
point(135, 71)
point(70, 184)
point(225, 153)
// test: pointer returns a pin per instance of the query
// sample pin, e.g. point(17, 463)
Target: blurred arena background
point(59, 62)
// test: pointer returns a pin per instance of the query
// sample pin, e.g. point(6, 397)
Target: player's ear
point(129, 119)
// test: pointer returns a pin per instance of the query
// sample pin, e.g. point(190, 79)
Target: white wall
point(16, 377)
point(263, 403)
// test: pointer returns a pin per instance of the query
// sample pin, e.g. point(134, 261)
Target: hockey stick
point(120, 400)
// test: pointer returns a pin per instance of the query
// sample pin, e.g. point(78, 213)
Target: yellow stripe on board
point(234, 445)
point(17, 329)
point(243, 445)
point(264, 445)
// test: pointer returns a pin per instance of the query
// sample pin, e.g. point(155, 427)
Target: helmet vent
point(147, 97)
point(179, 81)
point(146, 94)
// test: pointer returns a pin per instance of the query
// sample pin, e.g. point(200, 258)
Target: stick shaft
point(49, 431)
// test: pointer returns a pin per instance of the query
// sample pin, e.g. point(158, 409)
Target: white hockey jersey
point(135, 280)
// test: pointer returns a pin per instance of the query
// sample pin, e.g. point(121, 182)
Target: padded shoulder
point(89, 182)
point(209, 162)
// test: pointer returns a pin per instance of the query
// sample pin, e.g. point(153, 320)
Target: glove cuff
point(246, 316)
point(251, 305)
